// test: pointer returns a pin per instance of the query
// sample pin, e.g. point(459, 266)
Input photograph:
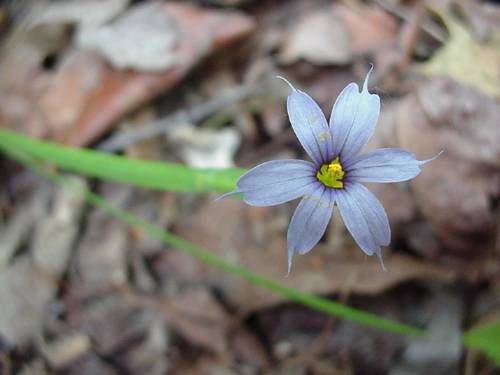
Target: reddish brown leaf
point(123, 91)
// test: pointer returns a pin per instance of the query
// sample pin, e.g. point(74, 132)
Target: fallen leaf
point(441, 350)
point(466, 60)
point(62, 352)
point(63, 97)
point(205, 148)
point(318, 37)
point(111, 323)
point(256, 238)
point(247, 348)
point(454, 192)
point(200, 319)
point(34, 367)
point(30, 281)
point(16, 230)
point(25, 292)
point(90, 364)
point(24, 51)
point(101, 253)
point(120, 92)
point(148, 357)
point(370, 29)
point(143, 38)
point(53, 237)
point(335, 34)
point(466, 119)
point(82, 13)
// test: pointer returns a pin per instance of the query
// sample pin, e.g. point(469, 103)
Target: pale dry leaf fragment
point(24, 294)
point(319, 38)
point(65, 350)
point(466, 60)
point(54, 236)
point(88, 12)
point(203, 31)
point(370, 29)
point(440, 351)
point(144, 38)
point(206, 148)
point(197, 315)
point(455, 192)
point(15, 231)
point(63, 98)
point(323, 272)
point(466, 118)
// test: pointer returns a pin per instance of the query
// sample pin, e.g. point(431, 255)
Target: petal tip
point(289, 267)
point(291, 253)
point(287, 82)
point(381, 259)
point(422, 162)
point(365, 83)
point(234, 192)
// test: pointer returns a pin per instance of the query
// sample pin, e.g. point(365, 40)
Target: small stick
point(161, 126)
point(428, 27)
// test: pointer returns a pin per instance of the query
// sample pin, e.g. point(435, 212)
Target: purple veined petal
point(277, 181)
point(365, 218)
point(353, 119)
point(309, 124)
point(385, 165)
point(309, 222)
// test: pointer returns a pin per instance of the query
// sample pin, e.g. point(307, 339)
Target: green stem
point(323, 305)
point(146, 174)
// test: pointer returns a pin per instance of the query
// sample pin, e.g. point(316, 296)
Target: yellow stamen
point(331, 175)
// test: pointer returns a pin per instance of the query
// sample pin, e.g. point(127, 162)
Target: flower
point(336, 173)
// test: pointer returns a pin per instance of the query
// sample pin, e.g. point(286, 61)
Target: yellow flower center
point(331, 175)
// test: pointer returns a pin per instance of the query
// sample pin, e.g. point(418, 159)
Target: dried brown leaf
point(203, 31)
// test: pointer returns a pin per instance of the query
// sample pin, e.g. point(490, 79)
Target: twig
point(227, 98)
point(404, 15)
point(409, 37)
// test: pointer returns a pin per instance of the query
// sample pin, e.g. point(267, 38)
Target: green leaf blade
point(485, 338)
point(147, 174)
point(20, 152)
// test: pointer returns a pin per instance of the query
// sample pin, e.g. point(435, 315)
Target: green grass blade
point(486, 339)
point(146, 174)
point(314, 302)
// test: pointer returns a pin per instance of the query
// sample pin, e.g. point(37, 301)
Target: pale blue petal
point(310, 126)
point(309, 222)
point(277, 181)
point(353, 119)
point(385, 165)
point(364, 216)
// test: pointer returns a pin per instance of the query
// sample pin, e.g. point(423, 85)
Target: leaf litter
point(152, 80)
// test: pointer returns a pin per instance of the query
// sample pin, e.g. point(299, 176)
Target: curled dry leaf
point(143, 38)
point(370, 29)
point(82, 13)
point(335, 34)
point(63, 97)
point(29, 282)
point(123, 91)
point(23, 52)
point(455, 193)
point(101, 258)
point(318, 38)
point(466, 118)
point(63, 351)
point(197, 315)
point(466, 60)
point(256, 240)
point(441, 350)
